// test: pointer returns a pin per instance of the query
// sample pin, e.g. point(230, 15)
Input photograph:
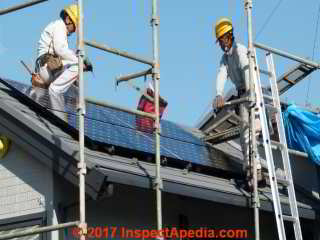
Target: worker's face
point(225, 41)
point(70, 26)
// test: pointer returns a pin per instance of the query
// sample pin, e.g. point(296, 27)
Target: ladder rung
point(289, 218)
point(271, 107)
point(265, 72)
point(237, 101)
point(277, 144)
point(283, 182)
point(280, 180)
point(268, 97)
point(274, 144)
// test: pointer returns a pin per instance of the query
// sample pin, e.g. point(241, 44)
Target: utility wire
point(314, 48)
point(268, 19)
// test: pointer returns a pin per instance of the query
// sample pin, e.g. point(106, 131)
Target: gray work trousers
point(244, 135)
point(50, 100)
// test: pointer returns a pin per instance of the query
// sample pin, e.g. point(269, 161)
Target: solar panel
point(129, 138)
point(118, 128)
point(168, 129)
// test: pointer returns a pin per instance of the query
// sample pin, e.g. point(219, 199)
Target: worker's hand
point(37, 81)
point(87, 65)
point(219, 102)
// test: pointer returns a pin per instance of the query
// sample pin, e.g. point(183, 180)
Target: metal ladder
point(273, 103)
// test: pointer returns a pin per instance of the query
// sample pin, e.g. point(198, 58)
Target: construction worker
point(57, 65)
point(234, 64)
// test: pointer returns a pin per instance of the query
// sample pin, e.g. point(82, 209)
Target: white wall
point(26, 185)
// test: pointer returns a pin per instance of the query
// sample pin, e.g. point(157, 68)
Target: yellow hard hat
point(73, 13)
point(223, 26)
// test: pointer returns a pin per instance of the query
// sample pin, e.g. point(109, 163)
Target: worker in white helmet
point(234, 64)
point(57, 64)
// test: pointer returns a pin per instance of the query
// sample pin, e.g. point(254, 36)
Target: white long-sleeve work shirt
point(235, 65)
point(54, 40)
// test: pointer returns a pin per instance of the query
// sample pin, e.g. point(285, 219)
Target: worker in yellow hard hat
point(234, 64)
point(57, 64)
point(70, 15)
point(224, 33)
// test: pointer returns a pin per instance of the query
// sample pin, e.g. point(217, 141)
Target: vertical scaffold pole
point(156, 79)
point(254, 153)
point(81, 112)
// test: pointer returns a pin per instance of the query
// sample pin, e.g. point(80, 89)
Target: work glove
point(88, 65)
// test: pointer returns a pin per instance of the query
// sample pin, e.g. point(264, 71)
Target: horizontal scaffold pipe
point(109, 105)
point(20, 6)
point(32, 231)
point(237, 101)
point(118, 52)
point(132, 76)
point(287, 55)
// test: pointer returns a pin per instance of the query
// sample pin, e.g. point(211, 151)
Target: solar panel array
point(118, 128)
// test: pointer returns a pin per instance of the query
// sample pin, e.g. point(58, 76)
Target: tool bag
point(54, 63)
point(54, 66)
point(146, 124)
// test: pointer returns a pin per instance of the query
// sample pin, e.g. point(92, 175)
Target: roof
point(51, 140)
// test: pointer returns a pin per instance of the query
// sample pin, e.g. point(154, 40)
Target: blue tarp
point(303, 131)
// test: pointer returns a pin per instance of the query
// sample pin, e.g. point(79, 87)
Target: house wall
point(24, 183)
point(304, 171)
point(26, 186)
point(134, 208)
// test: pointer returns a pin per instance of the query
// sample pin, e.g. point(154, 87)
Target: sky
point(189, 56)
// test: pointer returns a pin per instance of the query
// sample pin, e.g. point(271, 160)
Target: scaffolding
point(303, 69)
point(155, 72)
point(82, 170)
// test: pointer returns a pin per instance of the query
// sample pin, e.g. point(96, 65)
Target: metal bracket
point(82, 168)
point(186, 170)
point(248, 4)
point(164, 161)
point(80, 53)
point(157, 127)
point(81, 110)
point(157, 183)
point(155, 20)
point(252, 101)
point(134, 161)
point(156, 70)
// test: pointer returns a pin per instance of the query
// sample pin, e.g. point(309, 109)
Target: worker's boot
point(261, 179)
point(249, 179)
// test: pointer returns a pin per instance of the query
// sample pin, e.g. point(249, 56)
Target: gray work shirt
point(235, 65)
